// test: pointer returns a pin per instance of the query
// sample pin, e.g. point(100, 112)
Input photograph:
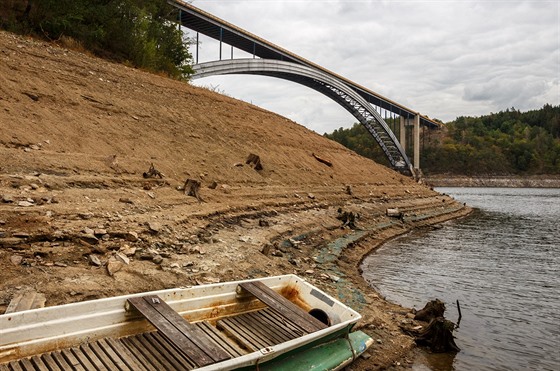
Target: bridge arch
point(323, 83)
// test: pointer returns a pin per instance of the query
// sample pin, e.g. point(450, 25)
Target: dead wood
point(322, 160)
point(152, 173)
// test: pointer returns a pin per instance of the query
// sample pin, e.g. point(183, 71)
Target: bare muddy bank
point(494, 181)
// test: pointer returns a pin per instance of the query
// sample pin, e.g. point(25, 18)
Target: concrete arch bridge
point(268, 59)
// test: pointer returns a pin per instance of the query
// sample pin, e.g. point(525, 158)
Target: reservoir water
point(503, 265)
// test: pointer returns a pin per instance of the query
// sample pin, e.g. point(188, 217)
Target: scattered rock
point(7, 199)
point(21, 235)
point(126, 200)
point(25, 203)
point(158, 259)
point(213, 185)
point(122, 257)
point(84, 216)
point(113, 266)
point(16, 259)
point(131, 236)
point(277, 253)
point(127, 250)
point(94, 260)
point(154, 227)
point(60, 264)
point(311, 196)
point(264, 223)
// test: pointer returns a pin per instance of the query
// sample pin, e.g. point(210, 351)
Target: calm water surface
point(501, 263)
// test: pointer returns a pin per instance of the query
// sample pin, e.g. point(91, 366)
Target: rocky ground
point(79, 221)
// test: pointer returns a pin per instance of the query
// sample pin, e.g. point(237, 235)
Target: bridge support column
point(417, 143)
point(402, 132)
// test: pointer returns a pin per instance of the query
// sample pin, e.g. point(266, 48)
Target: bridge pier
point(416, 134)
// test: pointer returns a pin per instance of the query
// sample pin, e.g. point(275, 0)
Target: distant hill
point(507, 142)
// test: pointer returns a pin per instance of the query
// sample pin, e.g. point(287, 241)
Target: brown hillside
point(76, 135)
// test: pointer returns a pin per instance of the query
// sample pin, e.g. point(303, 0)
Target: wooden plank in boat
point(82, 358)
point(123, 353)
point(220, 339)
point(71, 359)
point(184, 335)
point(143, 355)
point(50, 362)
point(89, 353)
point(284, 306)
point(39, 364)
point(26, 301)
point(4, 367)
point(115, 358)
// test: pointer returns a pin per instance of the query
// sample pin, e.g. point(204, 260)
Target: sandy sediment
point(78, 220)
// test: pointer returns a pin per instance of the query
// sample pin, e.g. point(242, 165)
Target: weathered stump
point(254, 161)
point(431, 310)
point(438, 336)
point(191, 188)
point(152, 173)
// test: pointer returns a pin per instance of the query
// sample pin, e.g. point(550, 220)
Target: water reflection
point(501, 263)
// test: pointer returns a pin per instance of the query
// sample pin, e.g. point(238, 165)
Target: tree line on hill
point(140, 33)
point(503, 143)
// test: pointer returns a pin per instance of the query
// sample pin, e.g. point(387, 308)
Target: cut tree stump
point(438, 336)
point(191, 188)
point(431, 310)
point(254, 161)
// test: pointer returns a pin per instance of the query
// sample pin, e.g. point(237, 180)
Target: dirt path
point(78, 221)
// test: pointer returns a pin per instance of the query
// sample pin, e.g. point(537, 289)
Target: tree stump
point(152, 173)
point(431, 310)
point(438, 336)
point(254, 161)
point(191, 188)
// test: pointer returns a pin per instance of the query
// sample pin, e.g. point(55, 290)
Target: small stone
point(122, 258)
point(94, 260)
point(25, 203)
point(113, 266)
point(244, 239)
point(126, 200)
point(84, 216)
point(174, 265)
point(7, 199)
point(34, 186)
point(379, 341)
point(60, 264)
point(100, 232)
point(311, 196)
point(158, 259)
point(277, 253)
point(131, 236)
point(16, 259)
point(154, 227)
point(213, 185)
point(309, 271)
point(88, 231)
point(127, 250)
point(152, 195)
point(188, 264)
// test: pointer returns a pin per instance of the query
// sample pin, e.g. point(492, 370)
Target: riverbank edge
point(493, 181)
point(404, 350)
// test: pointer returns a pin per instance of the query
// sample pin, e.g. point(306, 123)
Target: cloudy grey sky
point(441, 58)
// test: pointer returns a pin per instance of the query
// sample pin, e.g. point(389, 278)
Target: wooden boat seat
point(283, 306)
point(186, 337)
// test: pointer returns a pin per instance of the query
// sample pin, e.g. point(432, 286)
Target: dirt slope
point(76, 135)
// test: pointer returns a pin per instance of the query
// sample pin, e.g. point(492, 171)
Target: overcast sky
point(441, 58)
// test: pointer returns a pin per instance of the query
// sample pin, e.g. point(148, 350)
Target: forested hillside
point(507, 142)
point(141, 33)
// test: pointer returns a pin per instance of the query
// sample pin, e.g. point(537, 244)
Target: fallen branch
point(322, 160)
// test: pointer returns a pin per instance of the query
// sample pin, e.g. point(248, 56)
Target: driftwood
point(191, 188)
point(322, 160)
point(152, 173)
point(254, 161)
